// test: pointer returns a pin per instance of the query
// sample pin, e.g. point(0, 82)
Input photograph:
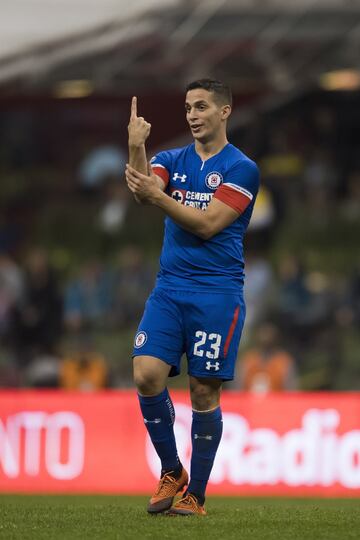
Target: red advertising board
point(279, 444)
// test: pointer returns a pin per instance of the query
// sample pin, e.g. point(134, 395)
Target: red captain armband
point(234, 196)
point(159, 170)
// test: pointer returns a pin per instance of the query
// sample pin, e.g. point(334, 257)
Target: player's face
point(204, 115)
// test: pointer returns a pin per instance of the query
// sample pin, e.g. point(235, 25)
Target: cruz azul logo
point(181, 177)
point(213, 180)
point(140, 339)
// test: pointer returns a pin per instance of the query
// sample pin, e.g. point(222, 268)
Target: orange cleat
point(167, 488)
point(187, 506)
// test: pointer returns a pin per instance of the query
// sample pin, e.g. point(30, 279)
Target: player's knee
point(204, 397)
point(146, 381)
point(150, 375)
point(202, 401)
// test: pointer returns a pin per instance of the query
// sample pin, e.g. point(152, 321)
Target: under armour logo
point(215, 366)
point(206, 437)
point(180, 177)
point(155, 421)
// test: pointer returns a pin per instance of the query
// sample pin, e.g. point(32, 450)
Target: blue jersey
point(188, 262)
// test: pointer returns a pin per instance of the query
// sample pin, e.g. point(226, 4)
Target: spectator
point(320, 181)
point(11, 290)
point(303, 298)
point(294, 298)
point(135, 278)
point(37, 316)
point(350, 207)
point(101, 163)
point(10, 232)
point(89, 298)
point(262, 224)
point(282, 167)
point(113, 212)
point(348, 309)
point(85, 370)
point(259, 287)
point(268, 366)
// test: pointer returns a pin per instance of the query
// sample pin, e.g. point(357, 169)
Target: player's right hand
point(138, 128)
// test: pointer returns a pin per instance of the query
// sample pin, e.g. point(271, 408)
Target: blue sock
point(206, 434)
point(159, 416)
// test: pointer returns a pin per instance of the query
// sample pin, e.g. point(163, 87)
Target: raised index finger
point(133, 107)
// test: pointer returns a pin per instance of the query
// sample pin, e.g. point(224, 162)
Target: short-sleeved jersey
point(188, 262)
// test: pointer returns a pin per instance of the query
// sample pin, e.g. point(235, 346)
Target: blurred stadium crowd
point(78, 257)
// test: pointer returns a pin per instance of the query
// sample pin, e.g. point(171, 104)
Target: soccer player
point(207, 190)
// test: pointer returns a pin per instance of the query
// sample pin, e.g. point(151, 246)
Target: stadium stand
point(99, 252)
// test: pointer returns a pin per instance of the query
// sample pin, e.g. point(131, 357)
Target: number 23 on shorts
point(214, 340)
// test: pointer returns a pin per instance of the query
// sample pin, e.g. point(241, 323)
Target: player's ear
point(225, 111)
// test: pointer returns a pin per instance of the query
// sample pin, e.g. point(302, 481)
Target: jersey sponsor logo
point(140, 339)
point(178, 195)
point(213, 180)
point(181, 177)
point(196, 199)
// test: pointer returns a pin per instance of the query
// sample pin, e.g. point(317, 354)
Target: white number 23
point(215, 342)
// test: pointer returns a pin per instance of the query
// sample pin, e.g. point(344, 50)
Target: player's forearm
point(138, 160)
point(191, 219)
point(137, 157)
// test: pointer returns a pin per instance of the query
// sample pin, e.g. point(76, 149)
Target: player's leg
point(214, 328)
point(150, 377)
point(157, 340)
point(206, 431)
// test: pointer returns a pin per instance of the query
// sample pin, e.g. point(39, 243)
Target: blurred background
point(78, 257)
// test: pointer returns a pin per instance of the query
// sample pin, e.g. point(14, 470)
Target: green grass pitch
point(110, 517)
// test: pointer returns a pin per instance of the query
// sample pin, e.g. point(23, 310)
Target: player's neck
point(209, 148)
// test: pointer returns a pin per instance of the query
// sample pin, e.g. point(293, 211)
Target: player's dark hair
point(222, 91)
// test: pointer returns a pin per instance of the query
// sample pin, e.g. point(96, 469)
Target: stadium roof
point(119, 45)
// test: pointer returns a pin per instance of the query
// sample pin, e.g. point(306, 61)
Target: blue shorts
point(205, 326)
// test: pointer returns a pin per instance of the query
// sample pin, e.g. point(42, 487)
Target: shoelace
point(190, 500)
point(166, 484)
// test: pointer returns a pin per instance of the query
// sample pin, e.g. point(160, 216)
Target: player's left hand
point(144, 186)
